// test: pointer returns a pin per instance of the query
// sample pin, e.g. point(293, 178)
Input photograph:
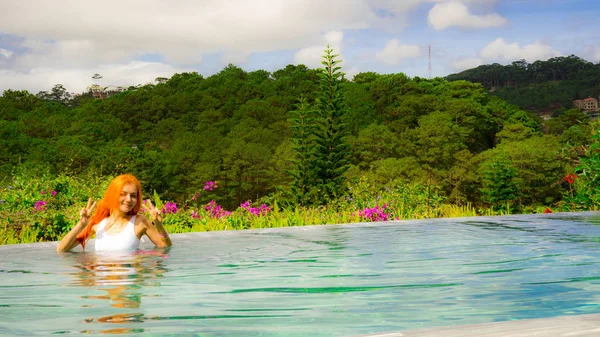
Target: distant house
point(546, 115)
point(104, 92)
point(114, 89)
point(588, 105)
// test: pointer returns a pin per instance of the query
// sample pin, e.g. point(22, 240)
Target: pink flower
point(40, 205)
point(257, 211)
point(170, 207)
point(216, 211)
point(196, 215)
point(210, 185)
point(53, 193)
point(43, 192)
point(374, 214)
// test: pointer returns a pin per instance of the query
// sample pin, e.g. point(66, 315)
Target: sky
point(132, 42)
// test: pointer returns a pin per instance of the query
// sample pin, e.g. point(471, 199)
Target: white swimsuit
point(125, 240)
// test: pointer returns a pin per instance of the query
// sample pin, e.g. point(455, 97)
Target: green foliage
point(234, 127)
point(375, 142)
point(157, 202)
point(401, 200)
point(302, 187)
point(538, 86)
point(332, 148)
point(565, 120)
point(584, 191)
point(499, 185)
point(45, 205)
point(535, 158)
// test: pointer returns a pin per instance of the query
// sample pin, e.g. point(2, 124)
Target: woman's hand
point(86, 212)
point(157, 233)
point(155, 214)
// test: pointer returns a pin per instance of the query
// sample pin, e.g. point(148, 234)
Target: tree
point(332, 149)
point(374, 142)
point(303, 145)
point(586, 183)
point(499, 185)
point(58, 93)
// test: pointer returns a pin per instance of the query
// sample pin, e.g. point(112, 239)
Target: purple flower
point(257, 211)
point(53, 193)
point(374, 214)
point(210, 185)
point(170, 207)
point(215, 211)
point(43, 192)
point(196, 215)
point(40, 205)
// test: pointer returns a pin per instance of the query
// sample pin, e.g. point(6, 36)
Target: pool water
point(336, 280)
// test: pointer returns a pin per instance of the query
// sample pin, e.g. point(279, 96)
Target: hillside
point(539, 86)
point(237, 128)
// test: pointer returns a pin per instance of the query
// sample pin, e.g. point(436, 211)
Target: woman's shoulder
point(97, 226)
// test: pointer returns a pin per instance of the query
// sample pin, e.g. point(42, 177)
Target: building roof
point(114, 88)
point(590, 99)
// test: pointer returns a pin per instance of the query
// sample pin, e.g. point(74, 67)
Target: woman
point(116, 223)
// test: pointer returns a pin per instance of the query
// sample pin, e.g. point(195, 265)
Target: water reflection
point(123, 280)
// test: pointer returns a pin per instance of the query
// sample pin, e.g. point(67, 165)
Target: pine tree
point(332, 150)
point(499, 185)
point(303, 138)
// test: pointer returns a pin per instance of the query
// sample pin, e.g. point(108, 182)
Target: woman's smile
point(128, 198)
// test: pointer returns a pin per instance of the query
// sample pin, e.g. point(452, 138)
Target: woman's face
point(128, 198)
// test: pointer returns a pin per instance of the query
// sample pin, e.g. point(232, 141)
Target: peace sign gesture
point(86, 212)
point(155, 214)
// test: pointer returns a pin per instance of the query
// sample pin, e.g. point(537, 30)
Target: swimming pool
point(336, 280)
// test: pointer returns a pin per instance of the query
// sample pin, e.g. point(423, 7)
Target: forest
point(374, 147)
point(541, 86)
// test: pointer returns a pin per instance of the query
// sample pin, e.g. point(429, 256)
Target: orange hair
point(110, 202)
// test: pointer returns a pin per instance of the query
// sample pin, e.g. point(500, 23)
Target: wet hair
point(110, 202)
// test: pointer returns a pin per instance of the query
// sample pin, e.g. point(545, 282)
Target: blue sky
point(132, 42)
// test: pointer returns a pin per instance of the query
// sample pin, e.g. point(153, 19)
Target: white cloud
point(406, 6)
point(501, 50)
point(313, 55)
point(5, 53)
point(351, 73)
point(76, 80)
point(69, 40)
point(456, 14)
point(394, 52)
point(464, 64)
point(71, 53)
point(592, 54)
point(234, 57)
point(180, 31)
point(68, 35)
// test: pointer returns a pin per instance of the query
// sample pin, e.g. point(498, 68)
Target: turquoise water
point(340, 280)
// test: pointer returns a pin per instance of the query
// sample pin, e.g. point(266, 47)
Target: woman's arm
point(70, 240)
point(154, 228)
point(156, 232)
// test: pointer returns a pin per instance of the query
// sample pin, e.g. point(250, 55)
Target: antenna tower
point(429, 66)
point(96, 89)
